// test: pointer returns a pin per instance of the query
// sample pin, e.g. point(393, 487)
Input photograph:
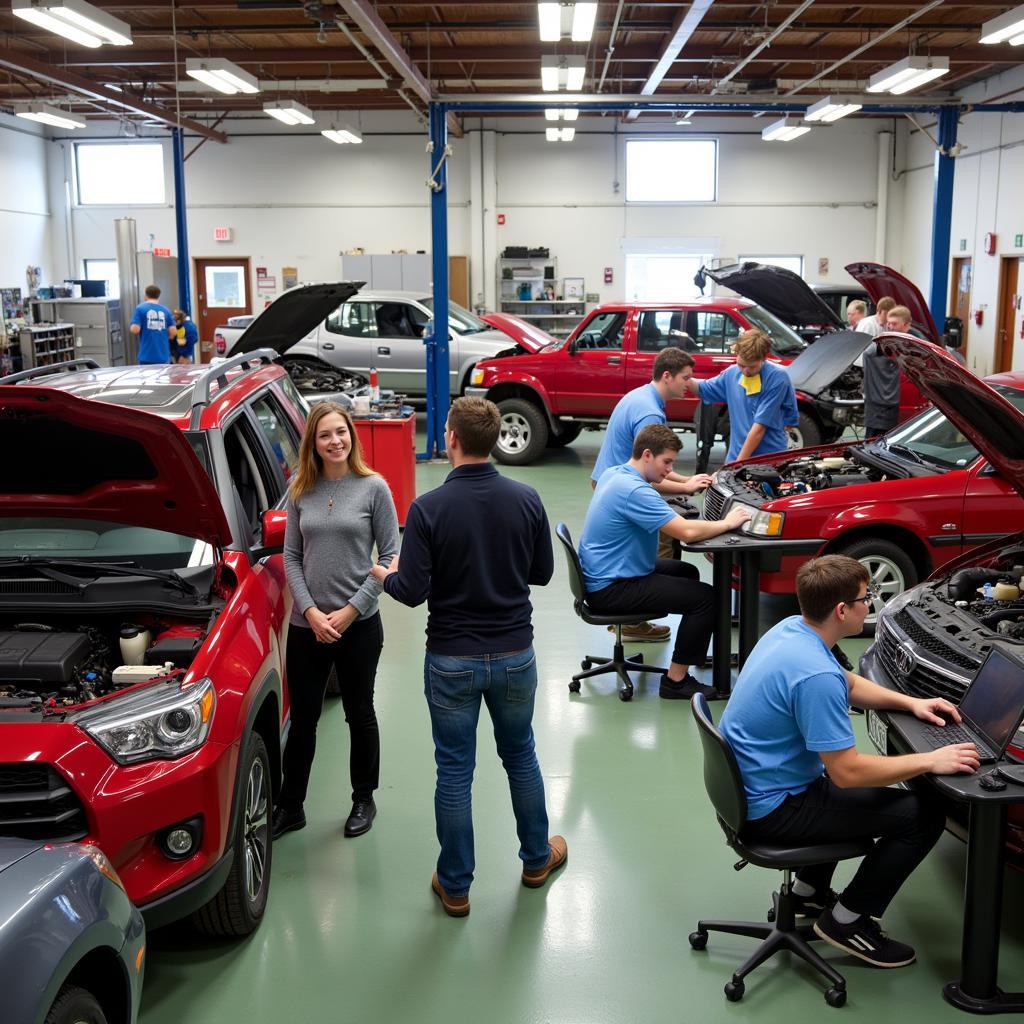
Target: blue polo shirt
point(620, 534)
point(774, 406)
point(154, 341)
point(791, 702)
point(638, 409)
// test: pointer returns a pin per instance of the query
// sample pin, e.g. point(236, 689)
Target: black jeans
point(309, 662)
point(878, 419)
point(906, 824)
point(673, 587)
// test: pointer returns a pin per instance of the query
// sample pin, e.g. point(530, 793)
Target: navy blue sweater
point(472, 548)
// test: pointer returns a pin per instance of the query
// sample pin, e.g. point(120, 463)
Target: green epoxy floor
point(353, 933)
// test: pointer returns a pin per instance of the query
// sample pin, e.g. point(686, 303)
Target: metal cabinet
point(96, 322)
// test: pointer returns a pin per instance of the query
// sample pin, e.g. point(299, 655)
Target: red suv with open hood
point(143, 617)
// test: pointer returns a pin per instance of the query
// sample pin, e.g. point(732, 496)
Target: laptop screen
point(994, 702)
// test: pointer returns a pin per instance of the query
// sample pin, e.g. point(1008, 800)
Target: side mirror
point(572, 347)
point(274, 521)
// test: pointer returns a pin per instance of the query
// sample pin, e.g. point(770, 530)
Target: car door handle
point(383, 350)
point(329, 345)
point(614, 360)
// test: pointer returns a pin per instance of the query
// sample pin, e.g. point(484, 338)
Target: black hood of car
point(291, 316)
point(820, 364)
point(783, 293)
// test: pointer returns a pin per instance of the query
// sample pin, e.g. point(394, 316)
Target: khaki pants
point(668, 547)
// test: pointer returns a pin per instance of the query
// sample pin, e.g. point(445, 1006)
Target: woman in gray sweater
point(338, 510)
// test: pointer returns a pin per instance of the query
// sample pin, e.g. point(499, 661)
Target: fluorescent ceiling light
point(561, 113)
point(909, 73)
point(570, 113)
point(222, 75)
point(342, 133)
point(558, 20)
point(45, 114)
point(559, 134)
point(549, 18)
point(562, 73)
point(1007, 28)
point(831, 108)
point(75, 20)
point(583, 18)
point(684, 121)
point(289, 112)
point(784, 130)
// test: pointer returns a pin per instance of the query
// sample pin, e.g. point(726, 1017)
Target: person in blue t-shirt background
point(759, 395)
point(788, 723)
point(186, 337)
point(153, 324)
point(618, 553)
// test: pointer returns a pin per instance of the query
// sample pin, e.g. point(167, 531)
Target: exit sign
point(222, 234)
point(1018, 241)
point(157, 251)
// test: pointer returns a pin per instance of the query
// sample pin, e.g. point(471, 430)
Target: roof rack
point(44, 371)
point(202, 387)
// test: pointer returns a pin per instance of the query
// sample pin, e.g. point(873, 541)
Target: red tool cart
point(389, 446)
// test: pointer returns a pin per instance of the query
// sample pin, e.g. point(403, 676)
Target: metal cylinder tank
point(128, 276)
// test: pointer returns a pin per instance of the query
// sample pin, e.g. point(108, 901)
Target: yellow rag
point(752, 385)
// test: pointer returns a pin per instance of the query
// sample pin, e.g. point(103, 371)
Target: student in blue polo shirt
point(155, 328)
point(618, 553)
point(759, 395)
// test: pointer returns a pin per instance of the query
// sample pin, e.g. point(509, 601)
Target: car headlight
point(159, 723)
point(477, 376)
point(765, 524)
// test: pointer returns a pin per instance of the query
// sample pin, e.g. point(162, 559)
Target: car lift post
point(180, 222)
point(942, 213)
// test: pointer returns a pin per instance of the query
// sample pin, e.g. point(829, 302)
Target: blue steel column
point(437, 347)
point(942, 214)
point(184, 277)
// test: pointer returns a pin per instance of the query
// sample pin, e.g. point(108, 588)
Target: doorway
point(960, 296)
point(1009, 323)
point(222, 287)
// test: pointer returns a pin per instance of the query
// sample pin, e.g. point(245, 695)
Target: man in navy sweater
point(472, 549)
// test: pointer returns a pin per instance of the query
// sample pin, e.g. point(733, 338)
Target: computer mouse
point(991, 781)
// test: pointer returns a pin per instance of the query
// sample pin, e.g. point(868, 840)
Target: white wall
point(24, 203)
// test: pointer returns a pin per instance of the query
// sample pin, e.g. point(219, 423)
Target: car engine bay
point(768, 482)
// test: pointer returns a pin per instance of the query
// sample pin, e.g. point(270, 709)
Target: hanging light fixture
point(221, 74)
point(45, 114)
point(574, 20)
point(831, 108)
point(342, 133)
point(562, 73)
point(559, 134)
point(909, 73)
point(1007, 28)
point(561, 113)
point(76, 20)
point(784, 130)
point(289, 112)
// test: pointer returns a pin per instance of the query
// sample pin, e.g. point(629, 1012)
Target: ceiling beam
point(95, 90)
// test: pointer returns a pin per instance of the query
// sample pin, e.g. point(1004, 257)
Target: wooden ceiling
point(356, 54)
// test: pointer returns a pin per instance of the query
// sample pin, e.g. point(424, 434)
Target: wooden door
point(1008, 313)
point(458, 280)
point(222, 289)
point(960, 297)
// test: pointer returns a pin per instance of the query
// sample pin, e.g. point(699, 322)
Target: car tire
point(75, 1005)
point(238, 908)
point(524, 433)
point(570, 431)
point(892, 571)
point(806, 434)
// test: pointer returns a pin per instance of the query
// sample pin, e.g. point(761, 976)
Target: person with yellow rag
point(759, 395)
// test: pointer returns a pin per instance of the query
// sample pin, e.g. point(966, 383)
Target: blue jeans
point(454, 687)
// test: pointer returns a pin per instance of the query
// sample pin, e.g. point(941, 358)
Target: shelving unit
point(45, 344)
point(521, 285)
point(97, 324)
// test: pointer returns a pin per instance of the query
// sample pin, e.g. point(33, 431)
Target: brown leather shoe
point(644, 633)
point(557, 859)
point(454, 906)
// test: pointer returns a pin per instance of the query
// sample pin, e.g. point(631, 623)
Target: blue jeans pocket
point(521, 680)
point(450, 689)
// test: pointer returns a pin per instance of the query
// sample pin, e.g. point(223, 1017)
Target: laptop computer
point(991, 710)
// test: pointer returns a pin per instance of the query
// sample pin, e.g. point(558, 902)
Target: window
point(661, 329)
point(671, 170)
point(604, 331)
point(713, 332)
point(280, 438)
point(104, 270)
point(120, 174)
point(794, 263)
point(663, 277)
point(393, 321)
point(356, 319)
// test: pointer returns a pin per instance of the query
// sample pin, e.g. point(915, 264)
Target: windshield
point(460, 319)
point(100, 541)
point(785, 341)
point(936, 441)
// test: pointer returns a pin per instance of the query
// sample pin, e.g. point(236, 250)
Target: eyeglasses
point(867, 600)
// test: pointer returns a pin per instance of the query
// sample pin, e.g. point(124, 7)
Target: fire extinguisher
point(374, 386)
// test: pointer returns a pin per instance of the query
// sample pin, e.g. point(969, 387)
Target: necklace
point(333, 491)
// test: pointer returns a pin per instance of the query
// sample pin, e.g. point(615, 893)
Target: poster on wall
point(289, 277)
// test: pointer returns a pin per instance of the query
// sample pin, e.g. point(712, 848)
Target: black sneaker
point(814, 905)
point(865, 940)
point(361, 818)
point(685, 688)
point(286, 820)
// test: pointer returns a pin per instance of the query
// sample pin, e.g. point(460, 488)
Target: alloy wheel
point(257, 829)
point(885, 581)
point(515, 435)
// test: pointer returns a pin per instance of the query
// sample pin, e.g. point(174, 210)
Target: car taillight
point(220, 344)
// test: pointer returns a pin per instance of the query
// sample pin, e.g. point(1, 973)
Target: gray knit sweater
point(328, 551)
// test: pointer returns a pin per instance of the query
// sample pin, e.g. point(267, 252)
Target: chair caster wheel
point(626, 694)
point(734, 991)
point(574, 686)
point(836, 997)
point(698, 940)
point(586, 664)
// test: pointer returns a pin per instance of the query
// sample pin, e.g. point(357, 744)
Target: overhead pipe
point(611, 44)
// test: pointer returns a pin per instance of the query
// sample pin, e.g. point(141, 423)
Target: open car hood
point(820, 364)
point(71, 457)
point(292, 315)
point(979, 412)
point(878, 280)
point(783, 293)
point(521, 331)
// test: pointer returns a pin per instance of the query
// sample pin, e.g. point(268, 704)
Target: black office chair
point(725, 787)
point(596, 665)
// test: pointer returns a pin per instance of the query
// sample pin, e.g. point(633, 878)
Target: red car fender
point(874, 513)
point(526, 380)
